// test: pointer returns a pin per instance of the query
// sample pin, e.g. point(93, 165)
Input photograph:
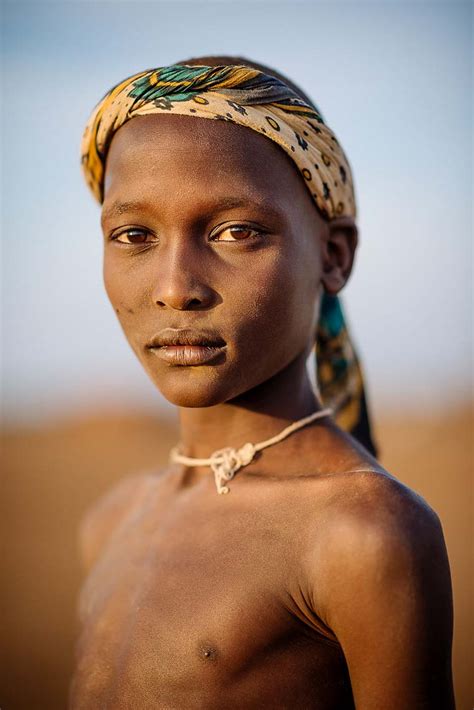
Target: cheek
point(277, 304)
point(122, 287)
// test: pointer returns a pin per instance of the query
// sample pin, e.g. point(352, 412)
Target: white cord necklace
point(226, 462)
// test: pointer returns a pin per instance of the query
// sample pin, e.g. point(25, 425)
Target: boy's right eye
point(133, 235)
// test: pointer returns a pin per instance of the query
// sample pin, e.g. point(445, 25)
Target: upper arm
point(385, 591)
point(102, 518)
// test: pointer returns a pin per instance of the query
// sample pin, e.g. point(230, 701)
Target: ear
point(338, 247)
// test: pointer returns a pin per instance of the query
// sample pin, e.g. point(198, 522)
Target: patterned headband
point(231, 93)
point(263, 103)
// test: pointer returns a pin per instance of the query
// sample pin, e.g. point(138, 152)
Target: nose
point(180, 284)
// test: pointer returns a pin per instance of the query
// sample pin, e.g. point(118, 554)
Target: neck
point(252, 417)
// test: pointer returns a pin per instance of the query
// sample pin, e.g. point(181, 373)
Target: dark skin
point(319, 581)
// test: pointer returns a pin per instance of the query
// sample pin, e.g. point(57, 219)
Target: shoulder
point(379, 534)
point(377, 575)
point(372, 500)
point(366, 509)
point(374, 515)
point(108, 511)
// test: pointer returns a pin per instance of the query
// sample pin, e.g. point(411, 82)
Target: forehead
point(169, 152)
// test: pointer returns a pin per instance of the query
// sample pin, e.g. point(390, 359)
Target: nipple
point(208, 652)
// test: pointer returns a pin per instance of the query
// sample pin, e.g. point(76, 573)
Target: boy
point(317, 580)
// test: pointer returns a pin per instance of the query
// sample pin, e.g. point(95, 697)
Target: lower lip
point(186, 355)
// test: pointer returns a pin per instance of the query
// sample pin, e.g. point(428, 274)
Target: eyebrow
point(118, 208)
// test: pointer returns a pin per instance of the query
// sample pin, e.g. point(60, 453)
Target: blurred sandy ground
point(52, 474)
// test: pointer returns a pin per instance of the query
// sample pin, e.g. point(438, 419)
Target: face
point(208, 227)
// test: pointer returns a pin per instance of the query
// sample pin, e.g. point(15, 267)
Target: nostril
point(182, 296)
point(182, 305)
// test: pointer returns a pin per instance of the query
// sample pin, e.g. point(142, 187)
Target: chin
point(193, 387)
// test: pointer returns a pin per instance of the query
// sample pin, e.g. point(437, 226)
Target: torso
point(198, 600)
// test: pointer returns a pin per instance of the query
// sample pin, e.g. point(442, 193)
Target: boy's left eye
point(235, 233)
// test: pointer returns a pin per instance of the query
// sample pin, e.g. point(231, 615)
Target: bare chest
point(188, 606)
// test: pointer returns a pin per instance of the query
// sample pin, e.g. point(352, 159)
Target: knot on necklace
point(226, 462)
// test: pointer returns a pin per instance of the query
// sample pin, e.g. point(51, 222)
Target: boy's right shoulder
point(109, 510)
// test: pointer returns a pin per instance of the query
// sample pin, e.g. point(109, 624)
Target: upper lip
point(186, 336)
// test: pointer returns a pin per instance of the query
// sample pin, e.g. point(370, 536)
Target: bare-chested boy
point(318, 581)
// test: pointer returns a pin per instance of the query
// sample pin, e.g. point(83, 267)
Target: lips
point(186, 347)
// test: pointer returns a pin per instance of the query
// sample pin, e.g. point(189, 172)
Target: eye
point(236, 232)
point(133, 235)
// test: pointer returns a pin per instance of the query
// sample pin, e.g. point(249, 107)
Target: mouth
point(186, 347)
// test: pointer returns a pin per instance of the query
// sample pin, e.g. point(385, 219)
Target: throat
point(226, 462)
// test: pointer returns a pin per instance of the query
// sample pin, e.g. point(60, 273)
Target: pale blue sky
point(394, 82)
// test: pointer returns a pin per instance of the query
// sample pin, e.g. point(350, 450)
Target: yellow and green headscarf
point(249, 97)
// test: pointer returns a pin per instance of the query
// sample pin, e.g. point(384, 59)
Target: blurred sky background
point(393, 80)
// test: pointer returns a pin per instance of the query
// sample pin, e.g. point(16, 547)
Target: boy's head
point(211, 226)
point(224, 238)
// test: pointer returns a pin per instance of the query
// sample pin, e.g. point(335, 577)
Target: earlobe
point(339, 244)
